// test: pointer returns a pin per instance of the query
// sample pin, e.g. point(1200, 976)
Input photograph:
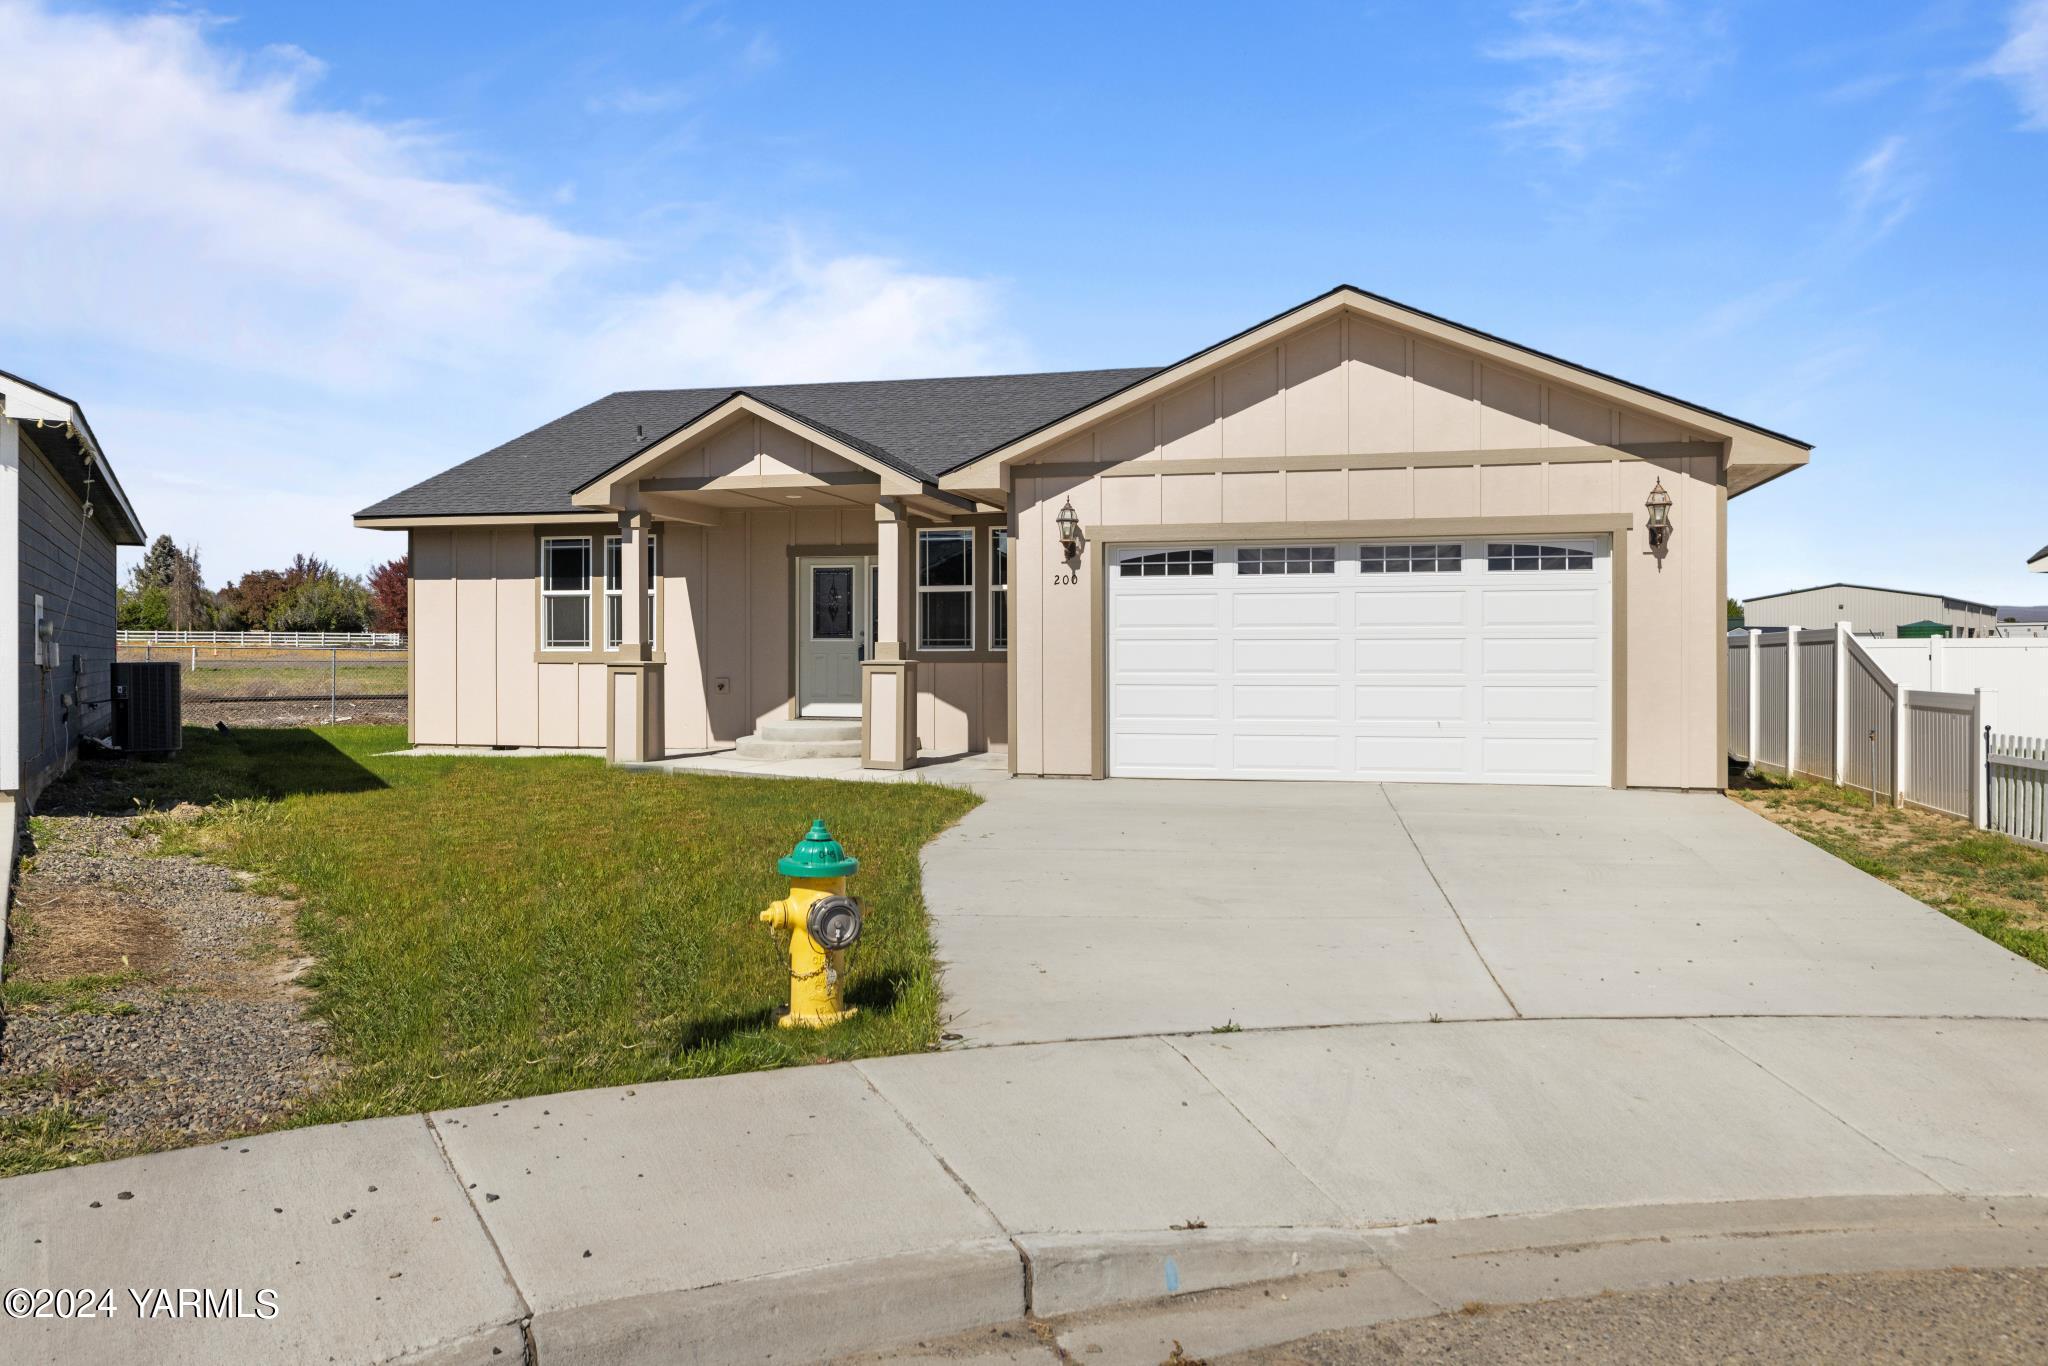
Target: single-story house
point(1869, 611)
point(1354, 541)
point(62, 513)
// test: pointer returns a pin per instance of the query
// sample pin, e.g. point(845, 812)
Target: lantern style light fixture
point(1069, 523)
point(1659, 505)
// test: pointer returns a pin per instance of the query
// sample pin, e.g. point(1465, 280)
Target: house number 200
point(1067, 577)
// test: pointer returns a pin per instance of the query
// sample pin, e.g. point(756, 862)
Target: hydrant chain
point(823, 923)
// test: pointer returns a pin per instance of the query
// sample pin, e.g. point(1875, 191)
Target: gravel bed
point(205, 1036)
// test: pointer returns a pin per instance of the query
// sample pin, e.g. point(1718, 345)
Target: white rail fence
point(2017, 670)
point(1822, 703)
point(271, 640)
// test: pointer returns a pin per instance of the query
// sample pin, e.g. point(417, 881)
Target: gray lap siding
point(54, 554)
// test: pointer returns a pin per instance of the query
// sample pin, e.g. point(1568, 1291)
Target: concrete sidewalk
point(811, 1213)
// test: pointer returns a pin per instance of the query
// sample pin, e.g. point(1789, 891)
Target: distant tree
point(146, 610)
point(388, 594)
point(334, 602)
point(167, 582)
point(1734, 615)
point(249, 603)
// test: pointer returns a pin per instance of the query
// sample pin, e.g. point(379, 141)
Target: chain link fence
point(264, 685)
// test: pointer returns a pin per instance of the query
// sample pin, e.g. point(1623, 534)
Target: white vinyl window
point(565, 593)
point(999, 589)
point(945, 590)
point(615, 589)
point(1430, 557)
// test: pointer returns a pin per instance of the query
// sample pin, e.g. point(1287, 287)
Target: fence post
point(333, 679)
point(1980, 764)
point(1841, 699)
point(1936, 682)
point(1755, 702)
point(1902, 717)
point(1791, 700)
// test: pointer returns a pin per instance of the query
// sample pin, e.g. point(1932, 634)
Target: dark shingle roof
point(2038, 556)
point(922, 427)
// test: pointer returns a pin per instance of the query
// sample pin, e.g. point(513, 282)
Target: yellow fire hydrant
point(823, 922)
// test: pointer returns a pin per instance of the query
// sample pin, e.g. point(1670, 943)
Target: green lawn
point(497, 927)
point(1994, 885)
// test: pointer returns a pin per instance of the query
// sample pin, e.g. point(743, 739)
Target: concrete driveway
point(1072, 910)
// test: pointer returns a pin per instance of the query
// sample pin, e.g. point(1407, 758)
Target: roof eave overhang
point(1755, 455)
point(41, 410)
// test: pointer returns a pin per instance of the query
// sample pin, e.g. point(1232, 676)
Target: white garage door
point(1471, 661)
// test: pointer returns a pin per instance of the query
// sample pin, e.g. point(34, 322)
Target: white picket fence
point(273, 640)
point(2018, 774)
point(1816, 702)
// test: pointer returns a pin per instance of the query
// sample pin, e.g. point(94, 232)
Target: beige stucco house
point(1356, 541)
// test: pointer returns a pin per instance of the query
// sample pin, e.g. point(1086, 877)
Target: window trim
point(603, 583)
point(996, 646)
point(1133, 564)
point(968, 588)
point(589, 613)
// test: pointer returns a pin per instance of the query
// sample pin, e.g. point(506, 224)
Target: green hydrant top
point(817, 854)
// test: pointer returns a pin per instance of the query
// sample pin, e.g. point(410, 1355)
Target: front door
point(832, 632)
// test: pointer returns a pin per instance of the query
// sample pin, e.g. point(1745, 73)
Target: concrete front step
point(811, 738)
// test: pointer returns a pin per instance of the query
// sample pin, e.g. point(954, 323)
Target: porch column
point(888, 682)
point(633, 679)
point(633, 529)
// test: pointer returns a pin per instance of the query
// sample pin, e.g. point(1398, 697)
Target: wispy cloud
point(1594, 63)
point(2022, 61)
point(1882, 189)
point(178, 207)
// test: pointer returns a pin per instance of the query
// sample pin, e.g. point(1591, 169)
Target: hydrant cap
point(817, 854)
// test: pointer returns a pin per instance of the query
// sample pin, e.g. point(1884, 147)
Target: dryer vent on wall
point(148, 708)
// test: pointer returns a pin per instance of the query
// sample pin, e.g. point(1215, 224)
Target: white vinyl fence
point(2018, 773)
point(276, 640)
point(1823, 703)
point(2017, 670)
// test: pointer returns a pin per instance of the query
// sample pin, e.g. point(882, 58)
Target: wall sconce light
point(1069, 523)
point(1659, 505)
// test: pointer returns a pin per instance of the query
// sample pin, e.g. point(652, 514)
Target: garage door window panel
point(1163, 564)
point(1432, 557)
point(1286, 559)
point(1522, 557)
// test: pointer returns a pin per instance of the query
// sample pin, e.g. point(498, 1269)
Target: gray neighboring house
point(1869, 611)
point(57, 601)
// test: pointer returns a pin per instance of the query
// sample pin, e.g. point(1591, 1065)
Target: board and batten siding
point(54, 554)
point(480, 678)
point(1364, 396)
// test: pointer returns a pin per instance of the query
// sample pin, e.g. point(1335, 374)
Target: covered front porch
point(800, 600)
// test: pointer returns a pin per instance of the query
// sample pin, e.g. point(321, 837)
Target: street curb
point(808, 1315)
point(1071, 1273)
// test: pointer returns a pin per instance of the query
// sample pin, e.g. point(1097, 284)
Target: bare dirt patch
point(149, 999)
point(1996, 886)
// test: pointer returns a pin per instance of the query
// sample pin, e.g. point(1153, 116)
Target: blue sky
point(292, 258)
